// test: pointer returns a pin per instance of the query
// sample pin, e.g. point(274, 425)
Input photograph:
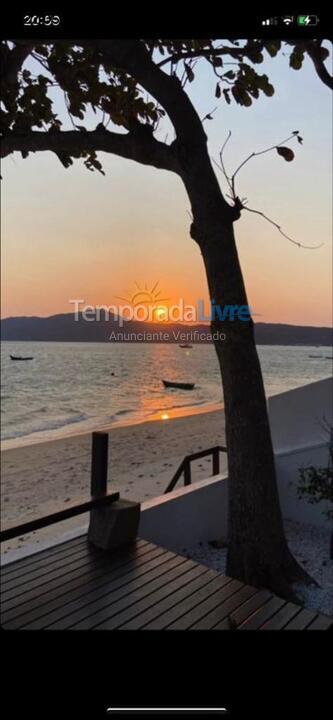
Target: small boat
point(315, 356)
point(179, 385)
point(19, 357)
point(186, 345)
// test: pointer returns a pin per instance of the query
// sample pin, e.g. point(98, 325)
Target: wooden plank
point(202, 605)
point(120, 612)
point(114, 587)
point(40, 606)
point(302, 620)
point(259, 617)
point(162, 602)
point(78, 577)
point(183, 611)
point(37, 586)
point(223, 610)
point(33, 581)
point(31, 560)
point(76, 586)
point(80, 574)
point(282, 617)
point(62, 562)
point(46, 561)
point(245, 610)
point(107, 607)
point(321, 622)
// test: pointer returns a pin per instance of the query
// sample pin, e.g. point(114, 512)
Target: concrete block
point(114, 525)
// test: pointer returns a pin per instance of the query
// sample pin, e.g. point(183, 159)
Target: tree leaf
point(286, 153)
point(65, 159)
point(268, 89)
point(296, 59)
point(226, 95)
point(272, 47)
point(255, 55)
point(241, 95)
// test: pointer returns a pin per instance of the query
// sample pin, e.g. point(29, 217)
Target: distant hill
point(64, 328)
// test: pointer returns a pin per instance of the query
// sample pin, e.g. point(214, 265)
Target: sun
point(160, 313)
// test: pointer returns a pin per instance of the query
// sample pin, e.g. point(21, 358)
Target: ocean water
point(76, 387)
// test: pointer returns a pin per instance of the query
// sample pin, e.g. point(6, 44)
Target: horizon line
point(162, 323)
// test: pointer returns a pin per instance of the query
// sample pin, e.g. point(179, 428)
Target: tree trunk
point(258, 553)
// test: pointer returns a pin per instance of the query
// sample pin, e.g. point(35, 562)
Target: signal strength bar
point(270, 21)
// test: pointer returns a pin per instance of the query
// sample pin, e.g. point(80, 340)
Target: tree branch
point(319, 65)
point(293, 136)
point(132, 57)
point(212, 52)
point(136, 145)
point(190, 144)
point(241, 204)
point(279, 228)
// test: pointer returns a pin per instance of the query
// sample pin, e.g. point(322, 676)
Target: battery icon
point(307, 20)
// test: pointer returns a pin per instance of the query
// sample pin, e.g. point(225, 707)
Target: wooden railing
point(185, 466)
point(98, 491)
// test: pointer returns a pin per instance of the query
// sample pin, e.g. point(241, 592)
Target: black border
point(80, 674)
point(74, 675)
point(139, 20)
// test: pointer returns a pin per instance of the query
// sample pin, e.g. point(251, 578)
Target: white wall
point(187, 515)
point(296, 416)
point(287, 470)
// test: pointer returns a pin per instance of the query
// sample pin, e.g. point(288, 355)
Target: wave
point(190, 404)
point(45, 427)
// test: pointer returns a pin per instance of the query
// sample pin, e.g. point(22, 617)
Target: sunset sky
point(71, 233)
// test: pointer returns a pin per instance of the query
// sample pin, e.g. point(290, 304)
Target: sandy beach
point(41, 478)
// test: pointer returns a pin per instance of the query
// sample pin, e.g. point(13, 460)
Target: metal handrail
point(185, 465)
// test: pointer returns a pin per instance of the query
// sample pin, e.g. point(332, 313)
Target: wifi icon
point(288, 20)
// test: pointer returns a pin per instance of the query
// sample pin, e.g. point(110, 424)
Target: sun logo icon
point(149, 298)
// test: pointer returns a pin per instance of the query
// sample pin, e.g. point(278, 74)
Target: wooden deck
point(74, 586)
